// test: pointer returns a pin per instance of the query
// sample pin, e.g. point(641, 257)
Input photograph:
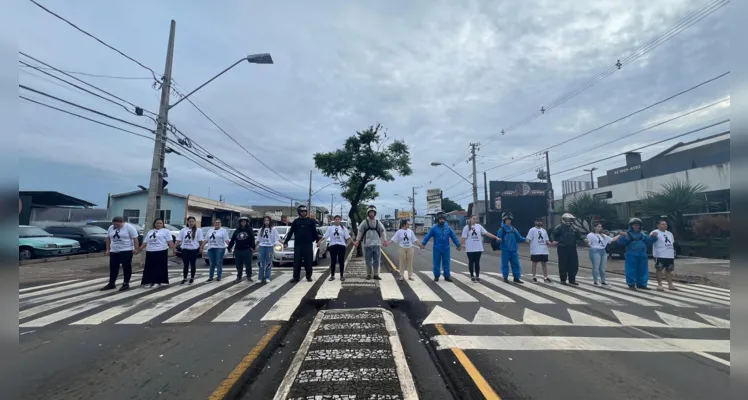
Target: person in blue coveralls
point(637, 263)
point(509, 237)
point(442, 233)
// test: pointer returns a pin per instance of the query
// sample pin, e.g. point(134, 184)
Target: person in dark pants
point(156, 244)
point(338, 236)
point(304, 233)
point(189, 241)
point(244, 239)
point(565, 237)
point(121, 244)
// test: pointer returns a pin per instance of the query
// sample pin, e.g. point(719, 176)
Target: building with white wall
point(704, 161)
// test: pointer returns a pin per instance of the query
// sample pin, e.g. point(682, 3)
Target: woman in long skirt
point(156, 244)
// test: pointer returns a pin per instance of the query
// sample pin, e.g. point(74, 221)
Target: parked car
point(35, 242)
point(281, 255)
point(92, 238)
point(106, 224)
point(322, 231)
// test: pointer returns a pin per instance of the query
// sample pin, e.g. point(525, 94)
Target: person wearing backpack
point(372, 232)
point(565, 238)
point(637, 262)
point(597, 240)
point(442, 234)
point(509, 238)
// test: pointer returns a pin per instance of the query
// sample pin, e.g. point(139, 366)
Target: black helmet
point(507, 215)
point(245, 218)
point(301, 208)
point(441, 215)
point(635, 220)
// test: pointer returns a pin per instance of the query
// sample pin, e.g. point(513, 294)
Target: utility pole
point(310, 194)
point(413, 203)
point(485, 194)
point(592, 177)
point(155, 188)
point(473, 148)
point(332, 200)
point(550, 189)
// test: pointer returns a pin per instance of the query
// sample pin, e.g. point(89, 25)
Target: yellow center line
point(470, 368)
point(391, 263)
point(475, 375)
point(242, 367)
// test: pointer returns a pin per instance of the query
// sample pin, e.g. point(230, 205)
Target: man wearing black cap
point(304, 232)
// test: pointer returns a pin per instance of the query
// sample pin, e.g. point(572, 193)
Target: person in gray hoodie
point(372, 232)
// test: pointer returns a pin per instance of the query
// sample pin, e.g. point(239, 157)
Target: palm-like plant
point(586, 207)
point(673, 200)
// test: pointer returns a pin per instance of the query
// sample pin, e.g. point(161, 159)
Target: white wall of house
point(714, 177)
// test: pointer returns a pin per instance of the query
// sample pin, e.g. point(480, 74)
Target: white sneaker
point(267, 280)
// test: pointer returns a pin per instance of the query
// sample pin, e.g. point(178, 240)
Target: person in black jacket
point(304, 232)
point(244, 239)
point(565, 237)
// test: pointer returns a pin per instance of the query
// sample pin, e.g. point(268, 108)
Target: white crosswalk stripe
point(287, 304)
point(552, 293)
point(62, 288)
point(514, 289)
point(454, 291)
point(647, 295)
point(482, 289)
point(68, 293)
point(612, 293)
point(581, 293)
point(239, 309)
point(422, 290)
point(329, 290)
point(389, 289)
point(29, 289)
point(201, 307)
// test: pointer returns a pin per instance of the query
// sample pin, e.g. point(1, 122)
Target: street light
point(262, 58)
point(592, 179)
point(473, 184)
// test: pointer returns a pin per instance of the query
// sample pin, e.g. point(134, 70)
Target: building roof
point(695, 143)
point(166, 193)
point(54, 199)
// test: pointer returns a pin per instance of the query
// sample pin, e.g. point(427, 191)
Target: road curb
point(61, 258)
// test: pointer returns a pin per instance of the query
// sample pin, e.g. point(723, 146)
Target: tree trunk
point(353, 213)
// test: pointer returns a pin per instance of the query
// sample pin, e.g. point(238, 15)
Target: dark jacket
point(565, 235)
point(303, 231)
point(243, 238)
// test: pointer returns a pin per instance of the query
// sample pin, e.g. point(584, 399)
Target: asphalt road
point(592, 343)
point(462, 340)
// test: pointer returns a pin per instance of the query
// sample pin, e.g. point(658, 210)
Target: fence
point(577, 184)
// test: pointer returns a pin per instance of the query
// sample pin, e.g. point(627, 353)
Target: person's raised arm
point(428, 236)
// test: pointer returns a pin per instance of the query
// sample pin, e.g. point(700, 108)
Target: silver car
point(281, 255)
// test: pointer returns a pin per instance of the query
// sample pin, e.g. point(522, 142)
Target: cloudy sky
point(436, 74)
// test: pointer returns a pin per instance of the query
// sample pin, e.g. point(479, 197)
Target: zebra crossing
point(79, 302)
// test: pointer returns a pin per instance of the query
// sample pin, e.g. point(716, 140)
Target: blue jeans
point(510, 257)
point(637, 269)
point(372, 255)
point(265, 262)
point(215, 257)
point(441, 261)
point(599, 260)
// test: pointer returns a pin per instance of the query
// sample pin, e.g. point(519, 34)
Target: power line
point(84, 82)
point(647, 145)
point(613, 122)
point(101, 76)
point(653, 43)
point(86, 118)
point(84, 108)
point(153, 73)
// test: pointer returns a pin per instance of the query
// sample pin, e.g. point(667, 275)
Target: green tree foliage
point(448, 205)
point(367, 156)
point(673, 200)
point(586, 207)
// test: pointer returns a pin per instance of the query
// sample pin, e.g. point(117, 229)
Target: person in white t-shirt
point(663, 251)
point(539, 241)
point(472, 240)
point(268, 238)
point(121, 244)
point(216, 241)
point(339, 237)
point(156, 244)
point(189, 241)
point(597, 240)
point(406, 239)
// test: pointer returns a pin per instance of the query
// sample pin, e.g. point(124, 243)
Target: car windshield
point(32, 231)
point(96, 230)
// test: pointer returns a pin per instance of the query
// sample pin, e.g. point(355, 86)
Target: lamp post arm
point(209, 81)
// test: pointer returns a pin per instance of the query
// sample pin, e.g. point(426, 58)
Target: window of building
point(165, 215)
point(131, 216)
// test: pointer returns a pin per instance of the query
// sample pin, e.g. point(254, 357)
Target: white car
point(281, 255)
point(228, 255)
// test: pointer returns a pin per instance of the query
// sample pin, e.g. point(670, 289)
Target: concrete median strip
point(361, 357)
